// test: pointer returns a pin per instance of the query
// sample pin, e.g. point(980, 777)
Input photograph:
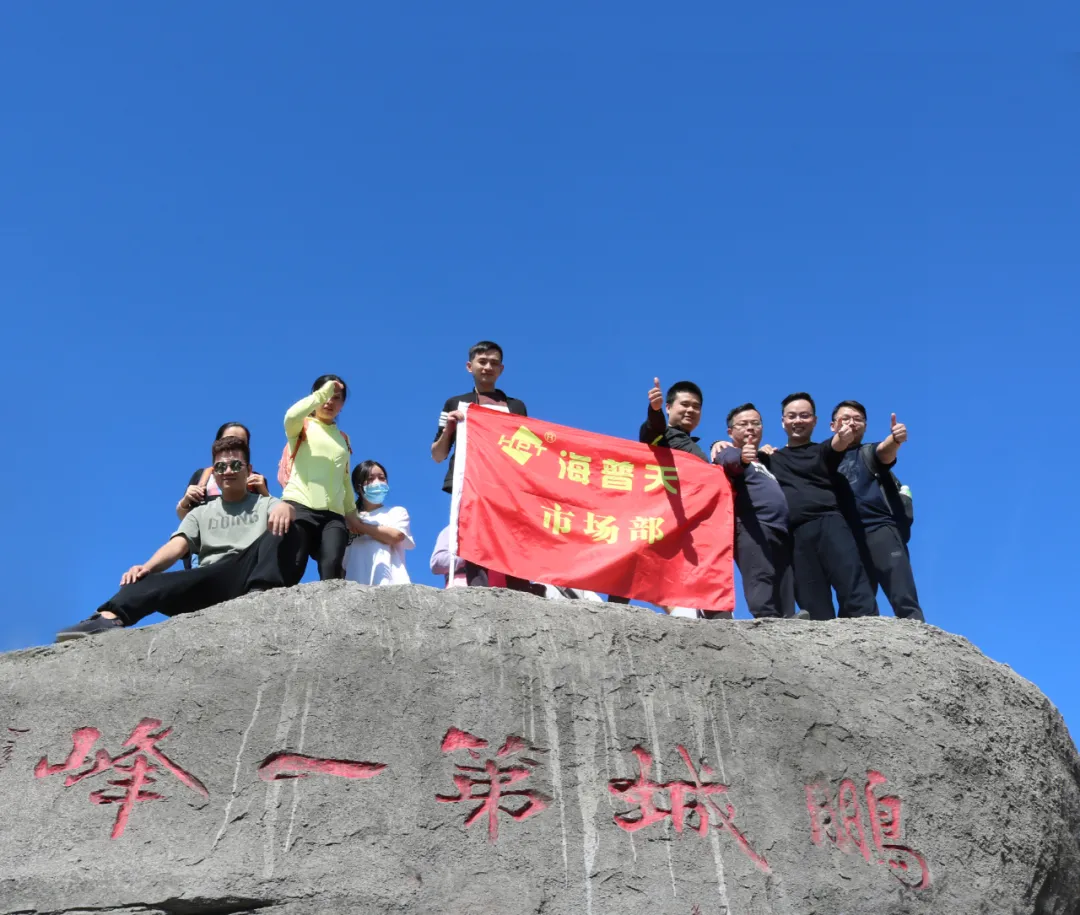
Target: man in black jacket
point(684, 413)
point(683, 402)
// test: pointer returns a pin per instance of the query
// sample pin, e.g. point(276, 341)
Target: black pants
point(825, 556)
point(477, 577)
point(764, 558)
point(260, 566)
point(323, 536)
point(888, 563)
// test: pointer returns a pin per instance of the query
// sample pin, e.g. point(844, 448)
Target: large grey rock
point(873, 766)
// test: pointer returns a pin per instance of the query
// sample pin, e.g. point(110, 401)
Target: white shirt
point(373, 563)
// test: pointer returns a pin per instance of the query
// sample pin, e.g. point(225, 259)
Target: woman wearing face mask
point(377, 556)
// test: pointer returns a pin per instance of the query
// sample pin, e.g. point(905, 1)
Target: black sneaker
point(97, 623)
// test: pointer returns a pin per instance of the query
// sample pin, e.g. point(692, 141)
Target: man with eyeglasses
point(876, 510)
point(762, 543)
point(241, 542)
point(824, 554)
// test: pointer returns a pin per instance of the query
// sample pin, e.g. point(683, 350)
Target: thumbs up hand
point(899, 431)
point(656, 396)
point(846, 433)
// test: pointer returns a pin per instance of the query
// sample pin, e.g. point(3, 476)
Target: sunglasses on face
point(222, 466)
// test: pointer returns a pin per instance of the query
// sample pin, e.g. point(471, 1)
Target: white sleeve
point(398, 518)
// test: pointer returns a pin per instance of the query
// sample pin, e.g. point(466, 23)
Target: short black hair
point(322, 379)
point(681, 387)
point(230, 443)
point(799, 395)
point(224, 426)
point(854, 404)
point(485, 346)
point(362, 471)
point(740, 409)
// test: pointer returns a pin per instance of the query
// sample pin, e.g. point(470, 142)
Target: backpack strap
point(899, 504)
point(868, 454)
point(299, 441)
point(303, 434)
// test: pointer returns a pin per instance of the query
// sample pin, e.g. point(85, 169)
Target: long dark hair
point(360, 474)
point(224, 426)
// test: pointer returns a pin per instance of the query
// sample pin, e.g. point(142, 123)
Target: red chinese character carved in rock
point(842, 824)
point(488, 783)
point(136, 767)
point(280, 766)
point(692, 803)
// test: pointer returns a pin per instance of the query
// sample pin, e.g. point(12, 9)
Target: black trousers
point(322, 535)
point(764, 558)
point(477, 577)
point(825, 557)
point(260, 566)
point(888, 564)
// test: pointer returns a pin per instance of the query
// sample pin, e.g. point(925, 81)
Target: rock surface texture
point(334, 749)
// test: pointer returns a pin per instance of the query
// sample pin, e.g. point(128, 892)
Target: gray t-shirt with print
point(218, 528)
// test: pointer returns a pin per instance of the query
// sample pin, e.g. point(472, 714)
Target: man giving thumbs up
point(875, 510)
point(684, 413)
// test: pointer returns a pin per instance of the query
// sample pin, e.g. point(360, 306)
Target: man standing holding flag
point(485, 365)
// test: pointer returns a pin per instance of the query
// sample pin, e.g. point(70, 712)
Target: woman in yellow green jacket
point(319, 487)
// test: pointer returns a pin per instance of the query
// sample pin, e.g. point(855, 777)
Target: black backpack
point(903, 509)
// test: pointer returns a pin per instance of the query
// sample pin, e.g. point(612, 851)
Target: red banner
point(565, 507)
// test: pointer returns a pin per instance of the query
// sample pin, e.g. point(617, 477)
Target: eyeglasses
point(802, 416)
point(222, 466)
point(747, 424)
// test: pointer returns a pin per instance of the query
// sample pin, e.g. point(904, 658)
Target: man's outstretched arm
point(177, 548)
point(655, 425)
point(886, 450)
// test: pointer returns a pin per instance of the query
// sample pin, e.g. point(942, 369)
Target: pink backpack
point(288, 455)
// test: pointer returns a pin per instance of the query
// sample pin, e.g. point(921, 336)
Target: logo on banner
point(522, 445)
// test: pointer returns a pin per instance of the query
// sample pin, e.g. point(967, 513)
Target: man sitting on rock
point(240, 540)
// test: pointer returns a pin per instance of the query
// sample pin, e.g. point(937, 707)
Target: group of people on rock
point(810, 517)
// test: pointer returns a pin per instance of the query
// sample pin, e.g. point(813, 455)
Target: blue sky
point(204, 207)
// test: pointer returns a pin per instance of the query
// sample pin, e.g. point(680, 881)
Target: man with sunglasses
point(762, 542)
point(240, 540)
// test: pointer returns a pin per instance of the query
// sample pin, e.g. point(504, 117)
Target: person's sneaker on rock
point(243, 541)
point(92, 626)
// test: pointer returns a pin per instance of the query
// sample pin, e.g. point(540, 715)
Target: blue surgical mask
point(376, 492)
